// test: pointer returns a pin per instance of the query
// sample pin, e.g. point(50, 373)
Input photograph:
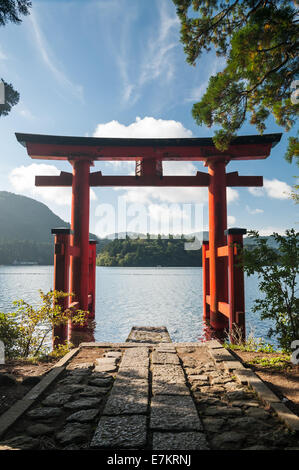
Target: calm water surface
point(133, 296)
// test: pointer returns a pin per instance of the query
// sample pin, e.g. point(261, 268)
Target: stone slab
point(105, 360)
point(286, 415)
point(263, 392)
point(221, 355)
point(243, 375)
point(120, 432)
point(213, 344)
point(168, 374)
point(174, 413)
point(105, 367)
point(127, 397)
point(233, 365)
point(83, 403)
point(159, 388)
point(133, 373)
point(165, 358)
point(149, 334)
point(179, 441)
point(113, 354)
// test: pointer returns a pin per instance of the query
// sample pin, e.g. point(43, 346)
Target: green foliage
point(11, 10)
point(11, 99)
point(259, 40)
point(148, 252)
point(280, 362)
point(9, 333)
point(30, 327)
point(235, 341)
point(61, 350)
point(295, 193)
point(277, 270)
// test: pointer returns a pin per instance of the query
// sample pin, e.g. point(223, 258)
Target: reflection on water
point(133, 296)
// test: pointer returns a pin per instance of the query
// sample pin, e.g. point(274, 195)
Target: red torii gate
point(223, 281)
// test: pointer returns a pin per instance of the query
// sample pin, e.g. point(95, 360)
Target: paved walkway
point(141, 395)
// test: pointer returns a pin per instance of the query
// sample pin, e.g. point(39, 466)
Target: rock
point(114, 354)
point(83, 404)
point(7, 379)
point(120, 432)
point(174, 413)
point(236, 395)
point(213, 424)
point(207, 401)
point(39, 429)
point(56, 399)
point(199, 378)
point(222, 411)
point(258, 413)
point(179, 441)
point(72, 433)
point(31, 380)
point(44, 413)
point(220, 380)
point(105, 360)
point(246, 423)
point(90, 391)
point(71, 389)
point(81, 366)
point(72, 380)
point(253, 403)
point(211, 390)
point(84, 416)
point(109, 366)
point(101, 382)
point(127, 398)
point(228, 440)
point(257, 447)
point(22, 442)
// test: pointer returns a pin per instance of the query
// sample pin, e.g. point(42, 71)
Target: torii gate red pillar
point(80, 227)
point(217, 226)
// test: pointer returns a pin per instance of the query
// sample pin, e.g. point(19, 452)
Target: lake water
point(133, 296)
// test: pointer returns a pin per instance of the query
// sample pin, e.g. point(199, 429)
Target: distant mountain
point(23, 218)
point(25, 230)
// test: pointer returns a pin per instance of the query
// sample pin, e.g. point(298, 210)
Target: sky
point(116, 68)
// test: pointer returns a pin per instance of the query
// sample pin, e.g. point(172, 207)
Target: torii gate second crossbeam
point(223, 281)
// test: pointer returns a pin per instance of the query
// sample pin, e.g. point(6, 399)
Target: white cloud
point(266, 231)
point(2, 55)
point(272, 188)
point(143, 127)
point(277, 189)
point(22, 179)
point(60, 76)
point(254, 211)
point(231, 220)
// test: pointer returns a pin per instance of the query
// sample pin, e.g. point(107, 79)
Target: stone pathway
point(159, 396)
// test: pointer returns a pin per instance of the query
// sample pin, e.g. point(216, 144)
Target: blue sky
point(116, 68)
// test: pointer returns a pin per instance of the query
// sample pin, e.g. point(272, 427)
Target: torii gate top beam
point(49, 147)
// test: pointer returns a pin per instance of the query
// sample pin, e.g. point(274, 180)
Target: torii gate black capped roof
point(53, 147)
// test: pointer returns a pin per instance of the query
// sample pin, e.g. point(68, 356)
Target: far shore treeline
point(149, 252)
